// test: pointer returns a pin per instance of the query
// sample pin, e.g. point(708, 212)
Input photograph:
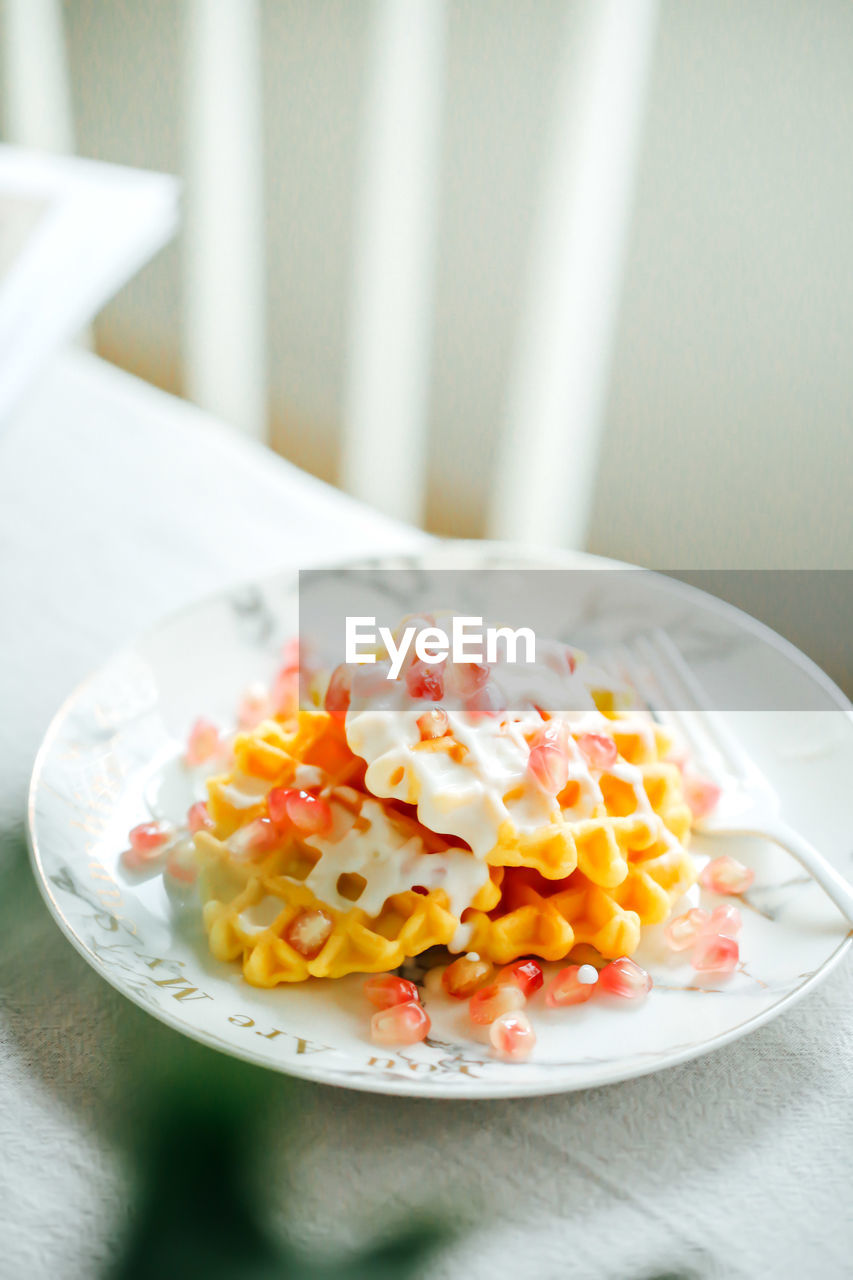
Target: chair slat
point(224, 322)
point(558, 377)
point(390, 316)
point(37, 96)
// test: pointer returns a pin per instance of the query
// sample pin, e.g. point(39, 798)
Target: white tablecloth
point(117, 504)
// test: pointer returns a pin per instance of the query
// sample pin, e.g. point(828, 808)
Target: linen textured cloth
point(118, 504)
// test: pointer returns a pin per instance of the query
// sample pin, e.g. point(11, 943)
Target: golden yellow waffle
point(270, 756)
point(594, 880)
point(473, 782)
point(408, 923)
point(600, 846)
point(539, 917)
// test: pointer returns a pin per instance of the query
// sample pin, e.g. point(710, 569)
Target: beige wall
point(728, 434)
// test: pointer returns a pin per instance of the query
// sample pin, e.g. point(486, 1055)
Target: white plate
point(97, 774)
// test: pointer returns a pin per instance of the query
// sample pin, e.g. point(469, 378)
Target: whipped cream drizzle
point(466, 795)
point(471, 794)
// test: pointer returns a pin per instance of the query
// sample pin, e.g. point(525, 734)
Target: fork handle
point(833, 883)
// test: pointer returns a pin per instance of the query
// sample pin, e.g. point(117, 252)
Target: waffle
point(593, 881)
point(251, 899)
point(549, 918)
point(408, 923)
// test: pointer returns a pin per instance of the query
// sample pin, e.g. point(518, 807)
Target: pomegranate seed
point(149, 837)
point(433, 723)
point(714, 953)
point(401, 1024)
point(258, 837)
point(486, 701)
point(198, 817)
point(338, 693)
point(309, 932)
point(683, 931)
point(490, 1002)
point(307, 813)
point(181, 864)
point(290, 654)
point(465, 975)
point(425, 681)
point(512, 1036)
point(370, 680)
point(726, 875)
point(570, 987)
point(526, 974)
point(284, 695)
point(726, 920)
point(385, 990)
point(702, 795)
point(254, 706)
point(467, 677)
point(549, 766)
point(133, 860)
point(626, 979)
point(598, 749)
point(202, 743)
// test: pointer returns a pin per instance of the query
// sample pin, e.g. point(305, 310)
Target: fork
point(748, 804)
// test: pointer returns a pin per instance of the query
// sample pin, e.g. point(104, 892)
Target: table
point(119, 503)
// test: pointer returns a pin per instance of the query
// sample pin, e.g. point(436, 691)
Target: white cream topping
point(472, 797)
point(466, 799)
point(260, 915)
point(244, 792)
point(383, 850)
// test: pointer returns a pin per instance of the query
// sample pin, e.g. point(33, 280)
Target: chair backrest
point(549, 439)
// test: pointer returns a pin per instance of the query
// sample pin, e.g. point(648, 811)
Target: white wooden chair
point(549, 440)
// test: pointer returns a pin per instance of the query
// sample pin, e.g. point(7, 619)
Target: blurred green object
point(192, 1137)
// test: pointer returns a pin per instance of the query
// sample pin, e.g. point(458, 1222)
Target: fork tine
point(679, 707)
point(726, 743)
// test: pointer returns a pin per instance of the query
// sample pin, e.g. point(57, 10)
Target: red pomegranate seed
point(284, 695)
point(386, 989)
point(465, 975)
point(512, 1036)
point(466, 678)
point(626, 979)
point(309, 814)
point(338, 693)
point(526, 974)
point(726, 920)
point(549, 765)
point(433, 723)
point(181, 864)
point(486, 701)
point(702, 795)
point(683, 931)
point(490, 1002)
point(202, 743)
point(149, 837)
point(290, 654)
point(424, 680)
point(133, 860)
point(198, 817)
point(571, 986)
point(715, 953)
point(309, 932)
point(401, 1024)
point(255, 839)
point(254, 706)
point(598, 749)
point(726, 875)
